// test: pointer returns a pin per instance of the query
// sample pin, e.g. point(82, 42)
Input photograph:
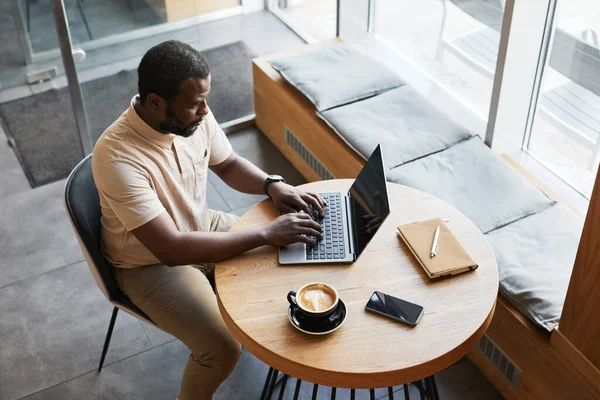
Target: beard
point(175, 126)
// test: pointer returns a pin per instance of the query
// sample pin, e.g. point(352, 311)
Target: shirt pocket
point(200, 177)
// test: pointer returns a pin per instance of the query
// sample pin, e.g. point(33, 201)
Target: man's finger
point(301, 204)
point(284, 208)
point(310, 223)
point(314, 202)
point(318, 197)
point(304, 239)
point(302, 215)
point(310, 231)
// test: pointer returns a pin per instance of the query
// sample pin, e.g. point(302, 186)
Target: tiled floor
point(53, 318)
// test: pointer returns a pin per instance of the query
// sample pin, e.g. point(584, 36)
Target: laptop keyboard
point(333, 242)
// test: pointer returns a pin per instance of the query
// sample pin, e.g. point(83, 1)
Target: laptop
point(351, 219)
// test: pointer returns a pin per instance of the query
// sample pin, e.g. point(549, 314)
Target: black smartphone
point(394, 308)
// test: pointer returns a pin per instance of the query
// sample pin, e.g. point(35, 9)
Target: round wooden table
point(368, 351)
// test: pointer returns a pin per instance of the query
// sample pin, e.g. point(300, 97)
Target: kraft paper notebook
point(451, 258)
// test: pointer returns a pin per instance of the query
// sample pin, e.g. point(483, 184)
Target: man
point(150, 167)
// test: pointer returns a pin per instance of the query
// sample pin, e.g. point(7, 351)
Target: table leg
point(436, 395)
point(283, 383)
point(428, 388)
point(315, 389)
point(264, 391)
point(297, 391)
point(272, 384)
point(419, 384)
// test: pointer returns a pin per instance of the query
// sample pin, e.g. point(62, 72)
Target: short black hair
point(166, 65)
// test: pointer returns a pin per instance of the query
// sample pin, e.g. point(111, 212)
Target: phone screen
point(395, 308)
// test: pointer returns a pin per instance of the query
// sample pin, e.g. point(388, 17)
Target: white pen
point(434, 247)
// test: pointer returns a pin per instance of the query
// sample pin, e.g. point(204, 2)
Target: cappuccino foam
point(316, 298)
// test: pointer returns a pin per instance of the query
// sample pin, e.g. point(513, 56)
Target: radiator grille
point(306, 155)
point(504, 364)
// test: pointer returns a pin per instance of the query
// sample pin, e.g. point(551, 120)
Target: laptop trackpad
point(293, 253)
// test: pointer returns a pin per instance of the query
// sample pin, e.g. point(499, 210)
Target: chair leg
point(111, 325)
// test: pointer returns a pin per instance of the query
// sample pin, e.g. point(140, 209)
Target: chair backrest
point(576, 59)
point(488, 12)
point(83, 207)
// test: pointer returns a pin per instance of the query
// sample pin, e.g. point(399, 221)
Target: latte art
point(316, 298)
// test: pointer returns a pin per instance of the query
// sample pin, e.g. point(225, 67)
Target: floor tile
point(156, 375)
point(152, 375)
point(234, 199)
point(14, 93)
point(53, 328)
point(463, 381)
point(254, 146)
point(12, 177)
point(36, 235)
point(246, 380)
point(215, 200)
point(256, 28)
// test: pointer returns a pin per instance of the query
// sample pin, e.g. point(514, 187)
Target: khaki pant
point(181, 301)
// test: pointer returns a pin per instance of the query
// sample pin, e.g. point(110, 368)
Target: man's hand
point(289, 199)
point(292, 228)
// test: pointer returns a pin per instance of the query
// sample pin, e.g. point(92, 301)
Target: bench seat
point(535, 258)
point(476, 181)
point(405, 124)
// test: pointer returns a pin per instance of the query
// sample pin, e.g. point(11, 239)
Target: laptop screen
point(368, 201)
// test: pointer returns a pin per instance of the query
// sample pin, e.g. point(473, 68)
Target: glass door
point(102, 41)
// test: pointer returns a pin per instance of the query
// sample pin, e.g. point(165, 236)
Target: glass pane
point(314, 20)
point(566, 130)
point(89, 19)
point(124, 43)
point(447, 49)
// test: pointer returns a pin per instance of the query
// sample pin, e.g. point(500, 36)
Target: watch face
point(275, 177)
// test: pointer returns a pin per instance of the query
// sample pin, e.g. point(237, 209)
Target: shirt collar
point(164, 140)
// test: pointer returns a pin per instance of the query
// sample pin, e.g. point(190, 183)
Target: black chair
point(83, 207)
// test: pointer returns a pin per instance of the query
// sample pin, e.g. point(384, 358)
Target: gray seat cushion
point(535, 258)
point(335, 75)
point(404, 122)
point(476, 181)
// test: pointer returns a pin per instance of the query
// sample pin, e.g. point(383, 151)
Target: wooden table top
point(368, 351)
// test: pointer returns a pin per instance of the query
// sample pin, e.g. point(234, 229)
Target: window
point(565, 134)
point(449, 48)
point(313, 20)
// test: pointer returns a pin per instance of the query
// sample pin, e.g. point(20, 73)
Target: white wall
point(251, 6)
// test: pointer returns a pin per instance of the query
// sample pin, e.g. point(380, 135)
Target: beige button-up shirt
point(141, 173)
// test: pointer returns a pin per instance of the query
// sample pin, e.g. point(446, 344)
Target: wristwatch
point(271, 179)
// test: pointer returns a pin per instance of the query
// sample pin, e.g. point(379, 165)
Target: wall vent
point(306, 155)
point(497, 357)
